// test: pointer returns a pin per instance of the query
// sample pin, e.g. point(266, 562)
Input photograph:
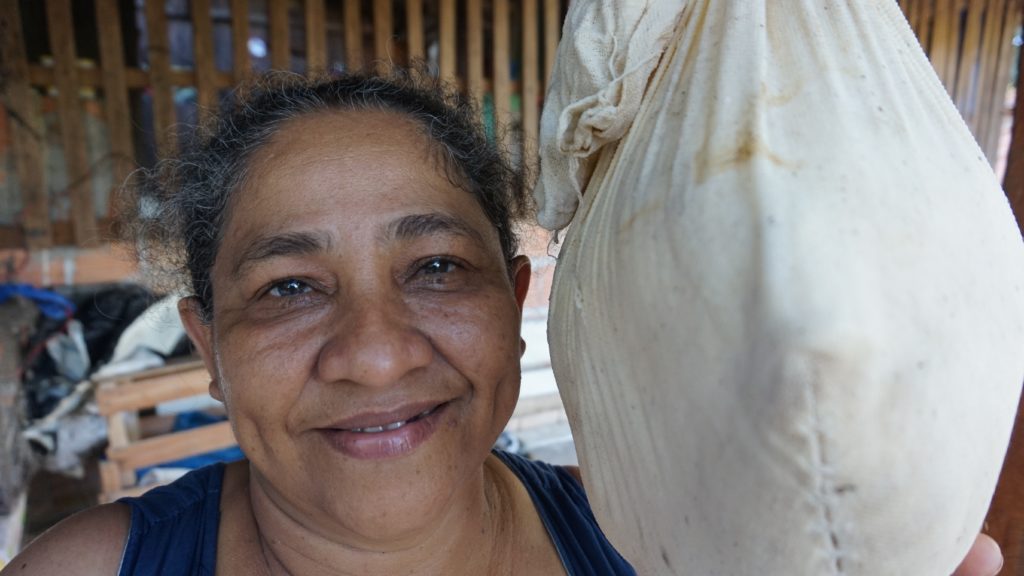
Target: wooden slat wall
point(477, 44)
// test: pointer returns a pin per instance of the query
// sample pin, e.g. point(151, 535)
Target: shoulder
point(90, 542)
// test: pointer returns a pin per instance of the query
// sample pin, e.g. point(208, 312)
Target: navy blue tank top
point(174, 528)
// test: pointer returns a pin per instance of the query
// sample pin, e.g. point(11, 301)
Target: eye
point(438, 265)
point(289, 287)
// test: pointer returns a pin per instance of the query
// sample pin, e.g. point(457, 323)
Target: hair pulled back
point(174, 214)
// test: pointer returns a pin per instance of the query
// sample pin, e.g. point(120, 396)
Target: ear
point(201, 335)
point(521, 278)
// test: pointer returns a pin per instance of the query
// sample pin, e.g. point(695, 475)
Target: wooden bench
point(121, 399)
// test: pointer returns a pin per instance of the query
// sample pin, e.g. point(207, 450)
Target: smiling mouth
point(394, 425)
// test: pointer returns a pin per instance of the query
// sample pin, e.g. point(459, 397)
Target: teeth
point(393, 425)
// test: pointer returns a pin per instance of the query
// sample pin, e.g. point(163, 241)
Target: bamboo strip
point(966, 76)
point(72, 131)
point(115, 90)
point(531, 83)
point(502, 78)
point(353, 35)
point(475, 48)
point(1011, 22)
point(382, 31)
point(205, 69)
point(987, 69)
point(552, 29)
point(159, 54)
point(280, 42)
point(26, 129)
point(316, 35)
point(449, 41)
point(241, 63)
point(414, 29)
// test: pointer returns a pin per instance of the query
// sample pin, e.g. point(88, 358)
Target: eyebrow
point(286, 244)
point(418, 225)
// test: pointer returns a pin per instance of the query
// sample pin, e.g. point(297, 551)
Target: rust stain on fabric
point(749, 147)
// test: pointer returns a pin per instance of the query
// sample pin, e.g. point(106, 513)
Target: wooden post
point(280, 43)
point(502, 77)
point(353, 35)
point(115, 90)
point(72, 131)
point(159, 54)
point(449, 43)
point(1005, 520)
point(414, 29)
point(205, 69)
point(26, 128)
point(475, 49)
point(241, 63)
point(382, 30)
point(316, 35)
point(531, 84)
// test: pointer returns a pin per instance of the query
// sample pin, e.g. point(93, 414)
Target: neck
point(474, 535)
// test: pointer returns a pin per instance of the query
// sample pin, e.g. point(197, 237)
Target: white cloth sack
point(787, 322)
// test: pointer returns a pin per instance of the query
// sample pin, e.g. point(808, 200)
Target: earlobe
point(201, 335)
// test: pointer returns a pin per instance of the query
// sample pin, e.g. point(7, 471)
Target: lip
point(342, 437)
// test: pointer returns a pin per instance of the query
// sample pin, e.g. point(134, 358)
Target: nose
point(373, 342)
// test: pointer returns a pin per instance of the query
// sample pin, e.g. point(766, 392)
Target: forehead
point(345, 170)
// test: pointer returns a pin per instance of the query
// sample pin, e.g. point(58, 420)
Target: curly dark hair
point(173, 214)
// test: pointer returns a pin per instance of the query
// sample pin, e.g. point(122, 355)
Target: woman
point(356, 295)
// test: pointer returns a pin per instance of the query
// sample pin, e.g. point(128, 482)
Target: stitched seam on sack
point(822, 473)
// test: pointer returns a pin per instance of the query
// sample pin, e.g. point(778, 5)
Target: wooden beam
point(449, 41)
point(135, 78)
point(160, 80)
point(27, 131)
point(204, 63)
point(502, 76)
point(316, 35)
point(383, 27)
point(241, 63)
point(353, 35)
point(72, 131)
point(115, 92)
point(552, 30)
point(531, 84)
point(150, 389)
point(173, 446)
point(475, 49)
point(414, 29)
point(280, 42)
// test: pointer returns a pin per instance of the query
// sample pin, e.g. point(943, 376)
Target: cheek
point(479, 339)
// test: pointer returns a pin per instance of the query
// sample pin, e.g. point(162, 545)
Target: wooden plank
point(115, 92)
point(159, 54)
point(72, 130)
point(552, 31)
point(502, 76)
point(26, 129)
point(944, 45)
point(383, 29)
point(205, 66)
point(316, 35)
point(475, 49)
point(173, 446)
point(966, 75)
point(280, 42)
point(531, 83)
point(112, 397)
point(241, 63)
point(449, 41)
point(353, 35)
point(414, 29)
point(174, 366)
point(1004, 65)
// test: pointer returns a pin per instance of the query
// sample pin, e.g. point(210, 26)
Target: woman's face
point(365, 332)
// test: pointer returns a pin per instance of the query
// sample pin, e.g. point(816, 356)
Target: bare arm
point(90, 542)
